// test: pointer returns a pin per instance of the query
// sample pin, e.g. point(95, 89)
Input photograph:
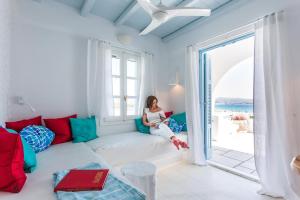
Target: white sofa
point(108, 150)
point(118, 149)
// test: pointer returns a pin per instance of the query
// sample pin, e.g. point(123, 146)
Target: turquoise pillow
point(180, 118)
point(141, 127)
point(83, 130)
point(30, 162)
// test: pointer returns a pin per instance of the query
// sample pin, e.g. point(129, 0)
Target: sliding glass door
point(226, 93)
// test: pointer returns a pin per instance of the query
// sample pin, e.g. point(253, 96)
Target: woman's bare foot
point(176, 142)
point(183, 144)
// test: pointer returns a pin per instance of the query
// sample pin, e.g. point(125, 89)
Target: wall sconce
point(176, 81)
point(19, 100)
point(124, 39)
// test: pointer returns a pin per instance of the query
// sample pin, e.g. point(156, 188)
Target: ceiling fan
point(161, 14)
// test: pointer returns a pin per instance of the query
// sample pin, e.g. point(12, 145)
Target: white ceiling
point(128, 12)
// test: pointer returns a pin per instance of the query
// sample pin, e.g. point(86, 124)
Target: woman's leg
point(167, 133)
point(163, 131)
point(177, 142)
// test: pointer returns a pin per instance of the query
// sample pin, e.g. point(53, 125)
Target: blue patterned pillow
point(38, 137)
point(174, 126)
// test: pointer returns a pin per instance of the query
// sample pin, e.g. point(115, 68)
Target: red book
point(83, 180)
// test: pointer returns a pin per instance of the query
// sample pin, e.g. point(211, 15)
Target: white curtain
point(192, 106)
point(99, 79)
point(275, 141)
point(147, 82)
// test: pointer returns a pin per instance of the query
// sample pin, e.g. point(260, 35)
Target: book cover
point(83, 180)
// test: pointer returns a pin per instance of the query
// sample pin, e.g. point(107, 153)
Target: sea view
point(247, 108)
point(234, 105)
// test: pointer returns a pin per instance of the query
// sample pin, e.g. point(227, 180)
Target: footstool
point(143, 176)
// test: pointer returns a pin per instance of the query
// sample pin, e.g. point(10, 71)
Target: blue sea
point(243, 107)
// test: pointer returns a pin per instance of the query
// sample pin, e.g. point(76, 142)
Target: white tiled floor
point(191, 182)
point(240, 161)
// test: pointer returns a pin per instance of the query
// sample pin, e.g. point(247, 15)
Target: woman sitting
point(155, 118)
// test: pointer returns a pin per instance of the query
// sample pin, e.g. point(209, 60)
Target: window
point(125, 84)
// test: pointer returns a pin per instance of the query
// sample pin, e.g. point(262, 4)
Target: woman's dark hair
point(150, 100)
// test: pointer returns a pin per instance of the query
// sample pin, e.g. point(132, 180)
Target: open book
point(159, 122)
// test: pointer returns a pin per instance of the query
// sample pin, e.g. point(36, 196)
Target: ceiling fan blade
point(153, 25)
point(148, 6)
point(177, 12)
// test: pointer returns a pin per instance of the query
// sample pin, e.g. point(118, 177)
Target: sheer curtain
point(147, 80)
point(275, 143)
point(192, 106)
point(99, 79)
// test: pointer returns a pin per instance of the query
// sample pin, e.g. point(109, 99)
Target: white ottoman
point(143, 176)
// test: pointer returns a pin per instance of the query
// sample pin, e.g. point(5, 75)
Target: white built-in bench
point(122, 148)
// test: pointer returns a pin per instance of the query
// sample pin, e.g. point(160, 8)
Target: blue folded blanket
point(175, 126)
point(114, 189)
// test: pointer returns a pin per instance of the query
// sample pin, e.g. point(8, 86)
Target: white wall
point(49, 48)
point(5, 32)
point(220, 61)
point(49, 56)
point(229, 19)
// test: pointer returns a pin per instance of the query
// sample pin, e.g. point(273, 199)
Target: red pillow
point(19, 125)
point(168, 114)
point(12, 162)
point(61, 128)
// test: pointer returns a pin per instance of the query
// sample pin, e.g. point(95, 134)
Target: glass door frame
point(206, 90)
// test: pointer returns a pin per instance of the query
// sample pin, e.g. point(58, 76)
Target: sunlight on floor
point(242, 142)
point(226, 135)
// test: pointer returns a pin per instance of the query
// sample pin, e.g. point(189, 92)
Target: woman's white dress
point(162, 129)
